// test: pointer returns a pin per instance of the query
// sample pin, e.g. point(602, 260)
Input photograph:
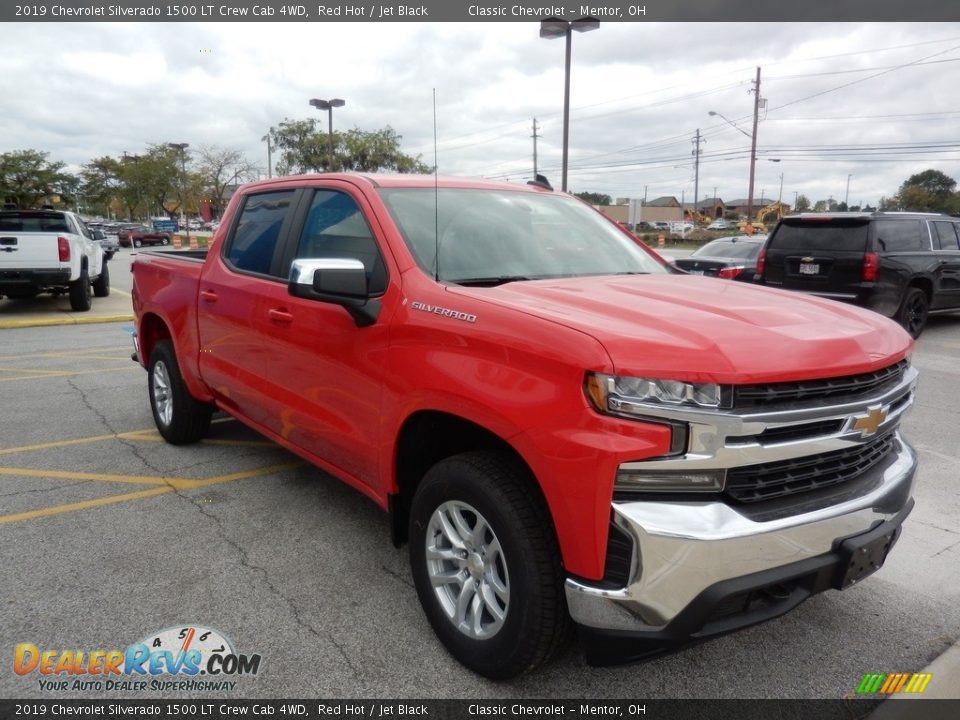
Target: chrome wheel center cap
point(475, 565)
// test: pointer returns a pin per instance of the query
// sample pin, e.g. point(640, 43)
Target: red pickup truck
point(561, 425)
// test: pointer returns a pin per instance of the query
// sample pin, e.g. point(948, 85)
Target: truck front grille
point(754, 483)
point(841, 389)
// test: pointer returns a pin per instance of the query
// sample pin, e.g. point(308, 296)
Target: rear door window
point(254, 241)
point(945, 235)
point(900, 236)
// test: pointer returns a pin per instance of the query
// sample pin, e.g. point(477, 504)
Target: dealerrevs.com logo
point(174, 659)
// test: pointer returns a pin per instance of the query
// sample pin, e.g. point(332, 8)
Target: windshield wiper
point(491, 281)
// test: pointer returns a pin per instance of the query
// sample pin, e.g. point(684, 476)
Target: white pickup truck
point(51, 251)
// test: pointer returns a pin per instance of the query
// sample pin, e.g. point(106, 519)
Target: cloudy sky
point(872, 102)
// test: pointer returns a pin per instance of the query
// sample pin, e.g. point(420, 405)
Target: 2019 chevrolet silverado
point(562, 427)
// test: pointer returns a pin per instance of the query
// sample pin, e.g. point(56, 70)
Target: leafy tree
point(927, 191)
point(595, 198)
point(820, 206)
point(802, 204)
point(304, 146)
point(219, 168)
point(28, 179)
point(100, 181)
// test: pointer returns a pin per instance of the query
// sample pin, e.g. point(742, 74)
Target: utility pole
point(535, 136)
point(846, 197)
point(753, 144)
point(696, 169)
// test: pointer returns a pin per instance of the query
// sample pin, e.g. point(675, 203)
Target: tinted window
point(335, 228)
point(255, 239)
point(820, 236)
point(900, 235)
point(945, 235)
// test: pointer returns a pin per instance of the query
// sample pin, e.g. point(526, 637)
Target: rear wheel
point(179, 418)
point(101, 286)
point(164, 240)
point(486, 565)
point(914, 311)
point(81, 294)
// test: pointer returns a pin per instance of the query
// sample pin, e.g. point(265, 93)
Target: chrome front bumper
point(682, 550)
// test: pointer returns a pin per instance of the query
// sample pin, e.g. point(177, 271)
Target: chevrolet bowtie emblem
point(868, 424)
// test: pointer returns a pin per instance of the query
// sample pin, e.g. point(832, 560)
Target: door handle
point(280, 316)
point(208, 295)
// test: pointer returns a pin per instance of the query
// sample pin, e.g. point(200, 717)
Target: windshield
point(495, 236)
point(729, 249)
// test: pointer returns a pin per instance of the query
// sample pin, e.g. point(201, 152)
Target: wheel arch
point(426, 438)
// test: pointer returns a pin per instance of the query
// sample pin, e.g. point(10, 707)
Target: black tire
point(165, 240)
point(138, 243)
point(913, 311)
point(496, 489)
point(81, 294)
point(180, 418)
point(101, 286)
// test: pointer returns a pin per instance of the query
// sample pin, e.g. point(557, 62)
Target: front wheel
point(81, 294)
point(101, 286)
point(914, 311)
point(486, 565)
point(179, 418)
point(164, 240)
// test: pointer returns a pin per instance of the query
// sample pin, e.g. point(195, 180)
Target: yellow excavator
point(759, 224)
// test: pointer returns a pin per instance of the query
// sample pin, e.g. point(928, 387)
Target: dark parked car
point(903, 265)
point(733, 257)
point(142, 235)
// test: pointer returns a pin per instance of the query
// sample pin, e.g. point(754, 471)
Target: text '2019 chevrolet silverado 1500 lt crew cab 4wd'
point(51, 251)
point(560, 425)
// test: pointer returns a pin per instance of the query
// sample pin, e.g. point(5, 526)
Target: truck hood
point(706, 330)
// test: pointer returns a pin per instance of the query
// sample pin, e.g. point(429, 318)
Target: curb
point(945, 685)
point(43, 322)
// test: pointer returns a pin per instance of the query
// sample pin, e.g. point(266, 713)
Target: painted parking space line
point(174, 482)
point(69, 373)
point(146, 435)
point(165, 485)
point(66, 354)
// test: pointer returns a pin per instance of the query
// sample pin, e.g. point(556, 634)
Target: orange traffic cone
point(177, 243)
point(661, 240)
point(193, 243)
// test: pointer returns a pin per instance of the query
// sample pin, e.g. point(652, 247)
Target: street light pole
point(554, 28)
point(329, 105)
point(753, 140)
point(182, 147)
point(846, 197)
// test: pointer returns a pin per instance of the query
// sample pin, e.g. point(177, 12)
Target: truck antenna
point(436, 196)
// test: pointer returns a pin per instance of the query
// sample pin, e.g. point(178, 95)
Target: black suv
point(903, 265)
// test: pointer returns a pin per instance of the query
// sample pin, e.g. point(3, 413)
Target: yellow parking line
point(72, 353)
point(71, 507)
point(168, 486)
point(75, 475)
point(69, 373)
point(31, 371)
point(60, 443)
point(155, 436)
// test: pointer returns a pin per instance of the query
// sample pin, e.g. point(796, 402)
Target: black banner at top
point(480, 11)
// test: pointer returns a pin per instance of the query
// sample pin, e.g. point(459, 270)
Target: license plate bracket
point(863, 555)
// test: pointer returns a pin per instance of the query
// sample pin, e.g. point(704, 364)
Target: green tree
point(100, 182)
point(820, 206)
point(304, 146)
point(802, 204)
point(595, 198)
point(28, 179)
point(927, 191)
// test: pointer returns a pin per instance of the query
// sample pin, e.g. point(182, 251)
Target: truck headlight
point(619, 395)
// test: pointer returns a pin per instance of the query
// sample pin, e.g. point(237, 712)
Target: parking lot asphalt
point(111, 535)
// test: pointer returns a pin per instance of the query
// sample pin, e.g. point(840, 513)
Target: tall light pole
point(753, 140)
point(182, 147)
point(329, 105)
point(846, 197)
point(551, 28)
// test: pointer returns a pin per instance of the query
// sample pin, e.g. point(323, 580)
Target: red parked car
point(142, 235)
